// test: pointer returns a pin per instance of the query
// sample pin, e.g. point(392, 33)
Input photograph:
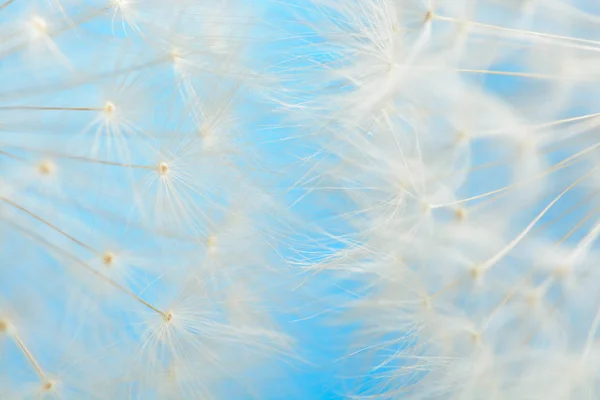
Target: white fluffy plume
point(139, 251)
point(460, 139)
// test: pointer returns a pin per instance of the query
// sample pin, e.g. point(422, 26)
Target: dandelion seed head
point(109, 108)
point(46, 168)
point(461, 213)
point(39, 26)
point(163, 168)
point(212, 244)
point(108, 259)
point(176, 55)
point(475, 337)
point(49, 385)
point(5, 326)
point(428, 303)
point(168, 317)
point(428, 16)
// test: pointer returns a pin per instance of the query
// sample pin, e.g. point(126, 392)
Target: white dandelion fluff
point(459, 140)
point(139, 246)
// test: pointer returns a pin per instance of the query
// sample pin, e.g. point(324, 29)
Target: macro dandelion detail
point(304, 199)
point(455, 146)
point(139, 251)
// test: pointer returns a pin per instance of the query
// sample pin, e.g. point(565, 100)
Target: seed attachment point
point(108, 259)
point(50, 385)
point(428, 16)
point(477, 273)
point(6, 328)
point(46, 168)
point(163, 168)
point(39, 25)
point(109, 108)
point(168, 316)
point(460, 213)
